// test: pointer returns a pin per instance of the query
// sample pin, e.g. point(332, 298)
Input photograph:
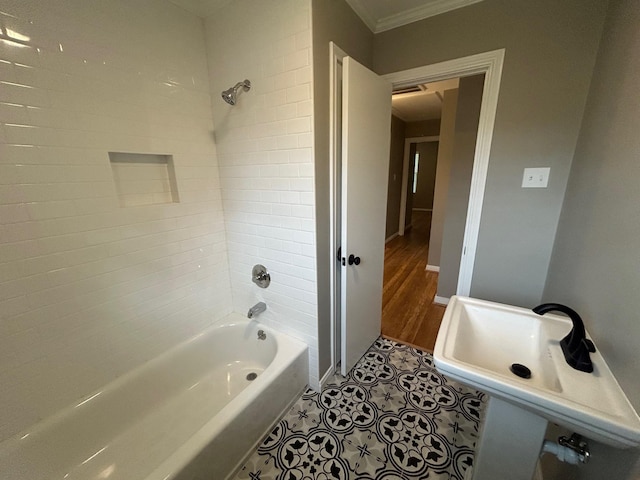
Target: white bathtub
point(190, 413)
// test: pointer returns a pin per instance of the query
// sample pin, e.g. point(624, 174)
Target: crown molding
point(358, 7)
point(430, 9)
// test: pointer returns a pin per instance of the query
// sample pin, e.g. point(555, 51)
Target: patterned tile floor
point(394, 417)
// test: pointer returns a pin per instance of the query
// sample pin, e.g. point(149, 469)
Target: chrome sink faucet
point(257, 309)
point(575, 346)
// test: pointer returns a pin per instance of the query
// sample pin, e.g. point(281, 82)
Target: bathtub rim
point(85, 400)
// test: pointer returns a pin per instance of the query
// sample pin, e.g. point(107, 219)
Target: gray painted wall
point(441, 189)
point(394, 190)
point(332, 20)
point(423, 198)
point(424, 128)
point(595, 266)
point(464, 148)
point(550, 52)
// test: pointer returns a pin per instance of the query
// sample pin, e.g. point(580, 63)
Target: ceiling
point(202, 8)
point(425, 104)
point(381, 15)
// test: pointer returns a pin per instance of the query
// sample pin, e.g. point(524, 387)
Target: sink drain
point(252, 376)
point(520, 370)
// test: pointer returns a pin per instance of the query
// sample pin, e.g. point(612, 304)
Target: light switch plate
point(535, 177)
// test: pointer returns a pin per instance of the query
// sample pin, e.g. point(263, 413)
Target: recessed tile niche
point(144, 179)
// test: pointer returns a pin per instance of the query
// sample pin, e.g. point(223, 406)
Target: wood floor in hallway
point(408, 312)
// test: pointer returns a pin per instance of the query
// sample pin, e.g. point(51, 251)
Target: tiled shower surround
point(265, 158)
point(89, 289)
point(394, 417)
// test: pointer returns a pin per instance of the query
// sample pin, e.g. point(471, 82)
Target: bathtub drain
point(252, 376)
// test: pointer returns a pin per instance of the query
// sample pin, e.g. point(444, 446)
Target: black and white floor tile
point(394, 417)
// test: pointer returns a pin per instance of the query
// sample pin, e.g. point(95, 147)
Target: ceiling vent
point(412, 89)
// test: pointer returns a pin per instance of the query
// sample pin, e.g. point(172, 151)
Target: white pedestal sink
point(477, 343)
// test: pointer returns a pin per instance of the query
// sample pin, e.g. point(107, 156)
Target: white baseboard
point(391, 237)
point(432, 268)
point(468, 473)
point(325, 378)
point(441, 300)
point(537, 475)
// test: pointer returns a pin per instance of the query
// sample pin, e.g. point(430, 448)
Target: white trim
point(363, 13)
point(430, 9)
point(489, 63)
point(335, 55)
point(391, 237)
point(432, 268)
point(405, 177)
point(468, 474)
point(441, 300)
point(326, 377)
point(537, 474)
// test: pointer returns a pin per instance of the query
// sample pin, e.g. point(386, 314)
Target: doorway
point(416, 151)
point(490, 64)
point(428, 241)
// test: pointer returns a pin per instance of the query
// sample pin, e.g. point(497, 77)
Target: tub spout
point(256, 309)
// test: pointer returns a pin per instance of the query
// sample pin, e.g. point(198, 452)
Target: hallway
point(408, 312)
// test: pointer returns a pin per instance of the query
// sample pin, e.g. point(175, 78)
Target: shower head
point(230, 95)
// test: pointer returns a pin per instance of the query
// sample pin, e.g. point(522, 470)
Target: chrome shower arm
point(246, 85)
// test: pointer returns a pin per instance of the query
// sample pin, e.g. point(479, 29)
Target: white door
point(366, 131)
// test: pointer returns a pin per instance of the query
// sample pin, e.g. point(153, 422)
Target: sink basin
point(478, 341)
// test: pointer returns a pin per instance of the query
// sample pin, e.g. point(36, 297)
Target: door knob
point(353, 259)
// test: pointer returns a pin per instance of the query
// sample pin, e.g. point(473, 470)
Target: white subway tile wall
point(266, 159)
point(89, 290)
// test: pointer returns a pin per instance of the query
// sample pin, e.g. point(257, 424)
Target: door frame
point(336, 55)
point(489, 63)
point(404, 191)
